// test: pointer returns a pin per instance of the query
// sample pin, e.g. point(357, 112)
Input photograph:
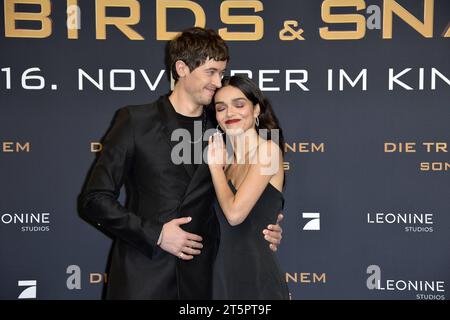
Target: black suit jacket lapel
point(170, 123)
point(202, 171)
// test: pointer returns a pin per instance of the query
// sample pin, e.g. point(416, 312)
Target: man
point(166, 237)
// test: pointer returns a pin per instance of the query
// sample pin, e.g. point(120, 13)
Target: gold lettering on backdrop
point(122, 23)
point(304, 147)
point(391, 7)
point(42, 18)
point(411, 147)
point(434, 166)
point(399, 147)
point(436, 146)
point(288, 33)
point(257, 21)
point(73, 19)
point(320, 278)
point(96, 147)
point(11, 16)
point(446, 33)
point(357, 19)
point(98, 277)
point(8, 146)
point(428, 147)
point(161, 16)
point(306, 277)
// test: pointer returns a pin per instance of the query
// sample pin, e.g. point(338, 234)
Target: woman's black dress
point(245, 267)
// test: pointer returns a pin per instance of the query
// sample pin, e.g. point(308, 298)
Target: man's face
point(202, 82)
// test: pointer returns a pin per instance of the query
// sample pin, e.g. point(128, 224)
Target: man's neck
point(184, 105)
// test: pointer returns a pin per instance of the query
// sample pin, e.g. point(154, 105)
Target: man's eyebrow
point(215, 69)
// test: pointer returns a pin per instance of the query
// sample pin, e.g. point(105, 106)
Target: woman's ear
point(256, 110)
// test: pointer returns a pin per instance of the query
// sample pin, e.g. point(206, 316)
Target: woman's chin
point(234, 131)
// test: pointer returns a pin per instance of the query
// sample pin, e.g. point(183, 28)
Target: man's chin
point(205, 101)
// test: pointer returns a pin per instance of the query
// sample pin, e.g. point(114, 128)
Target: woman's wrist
point(216, 167)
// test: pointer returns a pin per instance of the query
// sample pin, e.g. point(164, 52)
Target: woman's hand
point(217, 153)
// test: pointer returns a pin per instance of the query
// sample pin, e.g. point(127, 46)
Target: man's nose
point(217, 80)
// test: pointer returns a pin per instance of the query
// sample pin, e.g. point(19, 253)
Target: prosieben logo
point(30, 289)
point(313, 221)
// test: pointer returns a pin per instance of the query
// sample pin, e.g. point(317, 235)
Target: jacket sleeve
point(99, 202)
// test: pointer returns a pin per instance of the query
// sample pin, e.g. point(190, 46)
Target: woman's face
point(234, 112)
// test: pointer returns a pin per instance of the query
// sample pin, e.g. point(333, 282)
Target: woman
point(249, 192)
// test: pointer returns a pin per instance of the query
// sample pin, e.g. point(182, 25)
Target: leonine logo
point(423, 289)
point(28, 222)
point(412, 222)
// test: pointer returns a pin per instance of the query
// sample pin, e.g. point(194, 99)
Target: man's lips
point(232, 121)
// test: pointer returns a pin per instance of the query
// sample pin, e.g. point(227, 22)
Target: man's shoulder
point(145, 110)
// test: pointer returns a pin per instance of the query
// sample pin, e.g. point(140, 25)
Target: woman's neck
point(244, 146)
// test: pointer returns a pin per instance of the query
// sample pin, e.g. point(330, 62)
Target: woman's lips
point(232, 121)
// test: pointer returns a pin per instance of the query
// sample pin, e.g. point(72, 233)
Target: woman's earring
point(257, 121)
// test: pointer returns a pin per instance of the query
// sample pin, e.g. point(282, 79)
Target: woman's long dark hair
point(267, 118)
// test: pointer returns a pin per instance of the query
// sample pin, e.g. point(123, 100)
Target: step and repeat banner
point(362, 91)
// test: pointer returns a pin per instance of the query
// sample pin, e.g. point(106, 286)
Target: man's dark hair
point(194, 46)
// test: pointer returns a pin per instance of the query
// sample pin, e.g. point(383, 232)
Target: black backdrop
point(379, 215)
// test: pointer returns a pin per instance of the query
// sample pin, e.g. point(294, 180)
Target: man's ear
point(181, 68)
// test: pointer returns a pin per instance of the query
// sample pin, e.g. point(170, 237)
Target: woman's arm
point(236, 207)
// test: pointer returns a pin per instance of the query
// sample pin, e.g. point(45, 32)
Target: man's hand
point(182, 244)
point(273, 234)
